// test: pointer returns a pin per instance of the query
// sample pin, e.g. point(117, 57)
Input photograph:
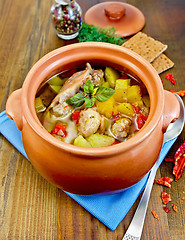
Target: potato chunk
point(80, 141)
point(111, 76)
point(121, 89)
point(57, 81)
point(133, 94)
point(126, 108)
point(100, 140)
point(106, 108)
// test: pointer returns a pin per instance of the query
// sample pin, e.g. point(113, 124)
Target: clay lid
point(126, 18)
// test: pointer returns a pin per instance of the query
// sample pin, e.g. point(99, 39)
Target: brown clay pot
point(92, 170)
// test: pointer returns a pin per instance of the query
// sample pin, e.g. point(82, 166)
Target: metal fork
point(136, 226)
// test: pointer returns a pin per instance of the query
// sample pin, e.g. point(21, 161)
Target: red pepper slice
point(180, 93)
point(59, 129)
point(76, 116)
point(141, 119)
point(136, 108)
point(165, 181)
point(165, 197)
point(115, 142)
point(116, 117)
point(171, 78)
point(179, 162)
point(166, 209)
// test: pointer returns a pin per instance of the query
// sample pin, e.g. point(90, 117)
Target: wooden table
point(30, 207)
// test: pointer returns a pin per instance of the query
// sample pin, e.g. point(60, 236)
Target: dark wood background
point(30, 207)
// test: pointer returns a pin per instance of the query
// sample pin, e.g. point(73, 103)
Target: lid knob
point(114, 11)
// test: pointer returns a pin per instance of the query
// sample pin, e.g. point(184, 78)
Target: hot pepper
point(180, 93)
point(166, 209)
point(171, 78)
point(179, 162)
point(174, 207)
point(165, 197)
point(155, 215)
point(165, 181)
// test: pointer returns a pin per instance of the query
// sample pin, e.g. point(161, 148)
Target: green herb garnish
point(90, 33)
point(89, 96)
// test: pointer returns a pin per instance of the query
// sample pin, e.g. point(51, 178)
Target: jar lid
point(63, 2)
point(125, 18)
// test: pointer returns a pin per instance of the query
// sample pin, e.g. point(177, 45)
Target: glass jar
point(66, 18)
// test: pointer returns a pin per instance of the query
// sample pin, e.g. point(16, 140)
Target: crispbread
point(145, 46)
point(162, 63)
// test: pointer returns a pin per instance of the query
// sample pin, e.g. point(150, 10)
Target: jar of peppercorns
point(66, 18)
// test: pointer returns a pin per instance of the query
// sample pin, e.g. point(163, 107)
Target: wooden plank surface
point(30, 207)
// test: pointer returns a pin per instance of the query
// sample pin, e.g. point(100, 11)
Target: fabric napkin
point(110, 209)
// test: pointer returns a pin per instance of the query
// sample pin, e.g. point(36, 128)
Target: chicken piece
point(89, 122)
point(72, 86)
point(120, 129)
point(97, 77)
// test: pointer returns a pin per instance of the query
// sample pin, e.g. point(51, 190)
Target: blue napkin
point(110, 209)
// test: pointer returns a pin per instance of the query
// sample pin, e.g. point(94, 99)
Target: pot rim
point(30, 116)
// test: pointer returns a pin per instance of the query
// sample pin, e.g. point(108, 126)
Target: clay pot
point(92, 170)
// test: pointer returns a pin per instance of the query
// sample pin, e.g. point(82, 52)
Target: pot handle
point(171, 109)
point(13, 108)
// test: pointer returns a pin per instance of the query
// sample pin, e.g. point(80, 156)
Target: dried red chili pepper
point(165, 197)
point(171, 78)
point(155, 215)
point(180, 93)
point(165, 181)
point(174, 207)
point(155, 181)
point(179, 162)
point(166, 209)
point(168, 159)
point(183, 198)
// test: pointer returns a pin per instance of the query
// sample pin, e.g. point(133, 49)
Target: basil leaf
point(76, 101)
point(88, 87)
point(103, 93)
point(89, 102)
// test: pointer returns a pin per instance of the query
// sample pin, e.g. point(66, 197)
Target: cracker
point(162, 63)
point(145, 46)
